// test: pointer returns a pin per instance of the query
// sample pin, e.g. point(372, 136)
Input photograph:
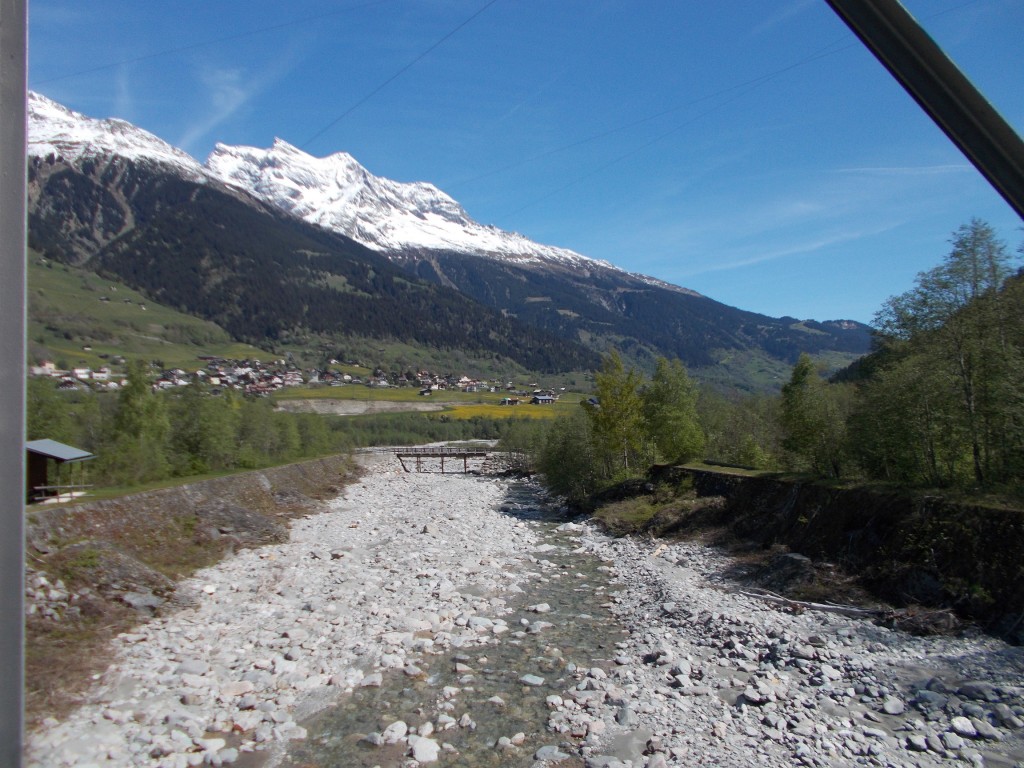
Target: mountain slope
point(267, 241)
point(337, 193)
point(77, 318)
point(421, 227)
point(260, 273)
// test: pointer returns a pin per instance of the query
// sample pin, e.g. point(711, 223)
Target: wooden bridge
point(439, 452)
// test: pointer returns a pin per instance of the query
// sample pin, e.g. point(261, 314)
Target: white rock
point(395, 732)
point(424, 750)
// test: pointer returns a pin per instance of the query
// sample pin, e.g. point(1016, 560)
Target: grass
point(67, 312)
point(626, 517)
point(398, 394)
point(359, 392)
point(76, 568)
point(728, 470)
point(491, 411)
point(61, 659)
point(495, 411)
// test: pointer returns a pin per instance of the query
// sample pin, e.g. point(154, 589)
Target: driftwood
point(801, 605)
point(913, 620)
point(917, 621)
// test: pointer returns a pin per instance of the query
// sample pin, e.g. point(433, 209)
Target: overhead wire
point(214, 41)
point(395, 76)
point(747, 86)
point(744, 87)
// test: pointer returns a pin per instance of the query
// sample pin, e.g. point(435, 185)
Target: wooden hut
point(42, 454)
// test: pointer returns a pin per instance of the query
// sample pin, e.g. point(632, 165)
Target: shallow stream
point(582, 634)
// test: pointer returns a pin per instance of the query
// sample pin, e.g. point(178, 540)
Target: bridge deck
point(442, 453)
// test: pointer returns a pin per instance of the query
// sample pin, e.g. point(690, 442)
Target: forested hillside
point(266, 277)
point(258, 273)
point(939, 404)
point(642, 318)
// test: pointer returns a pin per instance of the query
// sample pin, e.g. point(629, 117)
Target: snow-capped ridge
point(335, 192)
point(53, 129)
point(338, 193)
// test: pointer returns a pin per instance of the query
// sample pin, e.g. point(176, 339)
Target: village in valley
point(256, 378)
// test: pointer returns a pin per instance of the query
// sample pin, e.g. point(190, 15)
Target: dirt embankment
point(907, 549)
point(244, 509)
point(97, 568)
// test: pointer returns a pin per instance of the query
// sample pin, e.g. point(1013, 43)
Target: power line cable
point(748, 86)
point(393, 77)
point(760, 80)
point(215, 41)
point(635, 150)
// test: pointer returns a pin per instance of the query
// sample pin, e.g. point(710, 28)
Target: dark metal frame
point(941, 90)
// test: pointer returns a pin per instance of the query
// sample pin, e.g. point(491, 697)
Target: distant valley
point(280, 248)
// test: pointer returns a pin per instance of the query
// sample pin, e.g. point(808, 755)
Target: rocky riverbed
point(431, 618)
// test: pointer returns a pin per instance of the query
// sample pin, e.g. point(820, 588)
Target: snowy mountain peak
point(338, 193)
point(334, 192)
point(56, 130)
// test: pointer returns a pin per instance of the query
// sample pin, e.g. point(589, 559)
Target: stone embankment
point(247, 506)
point(410, 573)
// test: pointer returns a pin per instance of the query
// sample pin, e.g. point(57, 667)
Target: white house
point(46, 368)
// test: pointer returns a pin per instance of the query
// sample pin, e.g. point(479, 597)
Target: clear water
point(583, 636)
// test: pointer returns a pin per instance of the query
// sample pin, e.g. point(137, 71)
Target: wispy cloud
point(124, 102)
point(532, 95)
point(782, 15)
point(771, 225)
point(920, 170)
point(228, 90)
point(796, 248)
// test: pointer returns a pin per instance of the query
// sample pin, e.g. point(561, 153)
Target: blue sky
point(749, 150)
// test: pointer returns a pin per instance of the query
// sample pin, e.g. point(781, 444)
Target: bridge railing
point(438, 451)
